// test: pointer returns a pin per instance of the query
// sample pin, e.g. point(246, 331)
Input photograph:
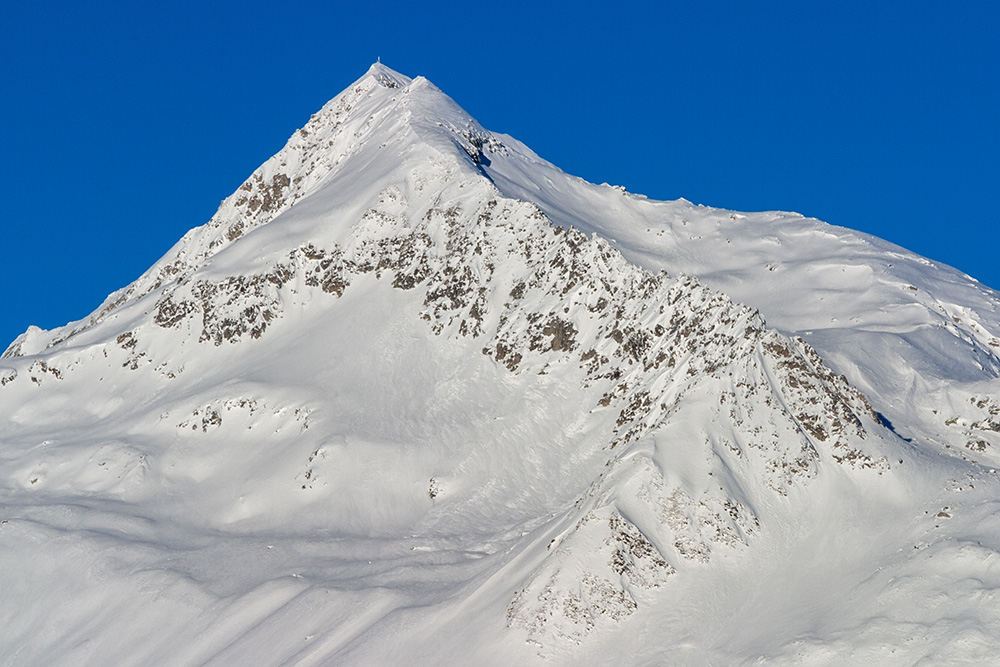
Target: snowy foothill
point(414, 395)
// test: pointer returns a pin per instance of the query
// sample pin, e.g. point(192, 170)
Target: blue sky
point(122, 125)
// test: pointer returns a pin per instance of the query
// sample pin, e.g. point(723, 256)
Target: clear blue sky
point(122, 125)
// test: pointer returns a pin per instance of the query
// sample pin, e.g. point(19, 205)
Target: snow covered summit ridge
point(413, 381)
point(872, 309)
point(878, 313)
point(387, 77)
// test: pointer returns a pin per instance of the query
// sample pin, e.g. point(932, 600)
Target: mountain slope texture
point(416, 396)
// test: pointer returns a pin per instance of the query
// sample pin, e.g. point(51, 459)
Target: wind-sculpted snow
point(642, 350)
point(565, 297)
point(386, 407)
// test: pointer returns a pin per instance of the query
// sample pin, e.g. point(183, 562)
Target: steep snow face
point(343, 128)
point(922, 339)
point(411, 379)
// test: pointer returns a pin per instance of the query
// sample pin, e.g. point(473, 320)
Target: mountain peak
point(492, 410)
point(386, 76)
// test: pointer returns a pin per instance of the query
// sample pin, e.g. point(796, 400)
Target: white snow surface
point(416, 396)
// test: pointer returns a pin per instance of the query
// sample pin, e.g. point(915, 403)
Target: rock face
point(411, 378)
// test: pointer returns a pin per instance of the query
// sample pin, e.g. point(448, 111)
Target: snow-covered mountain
point(416, 396)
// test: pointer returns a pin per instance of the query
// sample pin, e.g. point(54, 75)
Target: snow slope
point(415, 396)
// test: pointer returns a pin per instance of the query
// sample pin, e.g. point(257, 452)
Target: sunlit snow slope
point(416, 396)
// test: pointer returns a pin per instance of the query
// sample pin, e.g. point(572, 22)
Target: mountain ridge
point(383, 375)
point(963, 315)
